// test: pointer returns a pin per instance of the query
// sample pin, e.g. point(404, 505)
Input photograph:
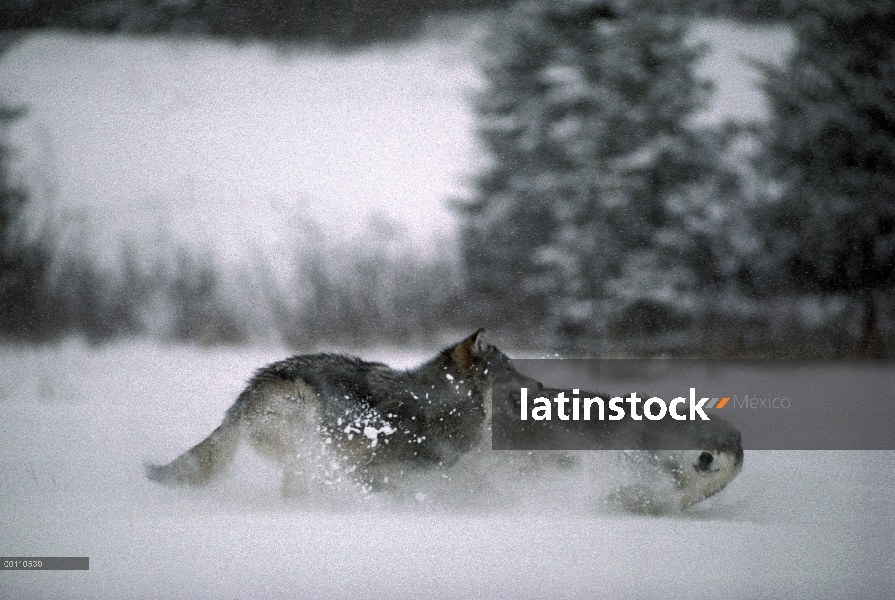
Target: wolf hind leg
point(282, 423)
point(301, 470)
point(295, 481)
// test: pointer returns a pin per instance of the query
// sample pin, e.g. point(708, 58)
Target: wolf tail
point(203, 462)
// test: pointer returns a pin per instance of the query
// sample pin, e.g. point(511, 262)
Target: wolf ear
point(465, 352)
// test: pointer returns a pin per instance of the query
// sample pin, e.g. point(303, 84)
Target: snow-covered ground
point(77, 423)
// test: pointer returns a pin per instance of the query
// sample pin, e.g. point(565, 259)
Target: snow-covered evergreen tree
point(587, 208)
point(24, 313)
point(831, 149)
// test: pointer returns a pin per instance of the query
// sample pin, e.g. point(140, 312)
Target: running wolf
point(338, 418)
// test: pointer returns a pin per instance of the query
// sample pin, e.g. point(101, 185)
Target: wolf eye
point(705, 460)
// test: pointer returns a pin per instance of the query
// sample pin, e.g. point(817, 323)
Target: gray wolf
point(333, 417)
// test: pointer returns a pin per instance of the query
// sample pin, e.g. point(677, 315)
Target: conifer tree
point(24, 308)
point(582, 211)
point(830, 148)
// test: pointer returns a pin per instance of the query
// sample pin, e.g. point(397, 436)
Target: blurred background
point(711, 178)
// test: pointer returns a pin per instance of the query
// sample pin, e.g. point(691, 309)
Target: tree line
point(605, 220)
point(336, 22)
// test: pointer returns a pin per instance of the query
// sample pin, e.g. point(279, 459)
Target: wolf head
point(475, 357)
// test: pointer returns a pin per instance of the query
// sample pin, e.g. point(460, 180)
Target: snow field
point(78, 422)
